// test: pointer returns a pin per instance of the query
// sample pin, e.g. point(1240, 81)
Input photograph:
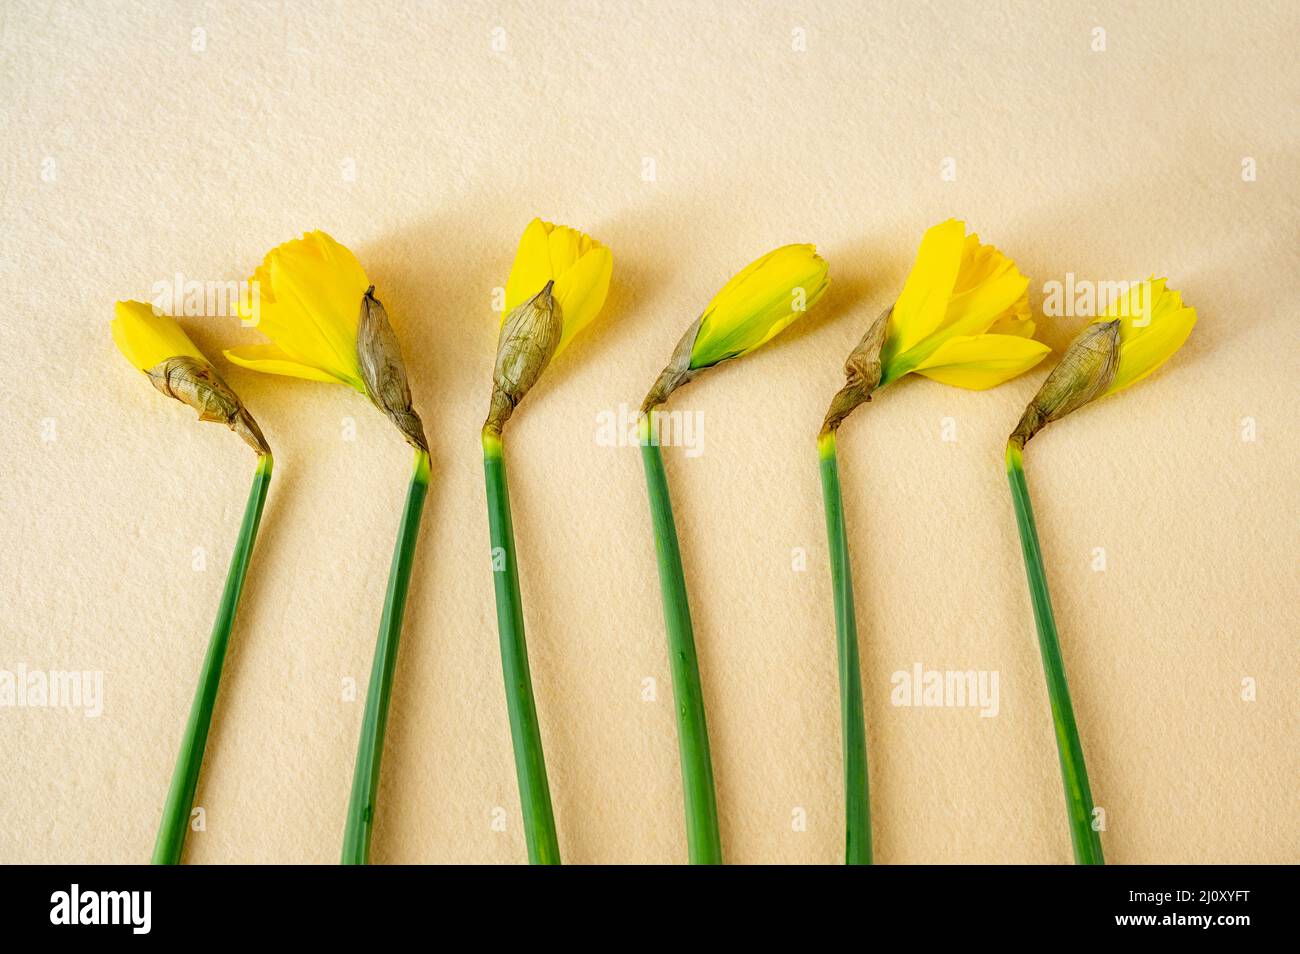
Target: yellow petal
point(566, 246)
point(924, 300)
point(532, 266)
point(759, 302)
point(317, 285)
point(272, 359)
point(982, 361)
point(1153, 324)
point(148, 339)
point(1016, 320)
point(581, 291)
point(988, 285)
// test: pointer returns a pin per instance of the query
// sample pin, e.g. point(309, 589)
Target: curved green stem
point(1074, 774)
point(857, 801)
point(703, 842)
point(365, 778)
point(525, 733)
point(185, 779)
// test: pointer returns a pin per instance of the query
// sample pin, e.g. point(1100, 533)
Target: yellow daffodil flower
point(1137, 334)
point(1153, 324)
point(307, 298)
point(312, 298)
point(963, 319)
point(758, 303)
point(157, 345)
point(579, 266)
point(963, 316)
point(557, 286)
point(147, 338)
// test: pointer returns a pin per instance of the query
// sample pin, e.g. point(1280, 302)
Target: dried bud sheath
point(1085, 372)
point(525, 346)
point(196, 383)
point(862, 374)
point(380, 358)
point(676, 373)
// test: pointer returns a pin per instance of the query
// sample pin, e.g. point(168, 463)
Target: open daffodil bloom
point(753, 307)
point(962, 318)
point(557, 286)
point(308, 297)
point(315, 303)
point(158, 346)
point(1136, 335)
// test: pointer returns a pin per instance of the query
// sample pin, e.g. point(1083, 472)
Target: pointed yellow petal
point(320, 285)
point(982, 361)
point(271, 359)
point(924, 299)
point(581, 291)
point(1154, 323)
point(532, 266)
point(147, 339)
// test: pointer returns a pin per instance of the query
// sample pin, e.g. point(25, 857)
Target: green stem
point(703, 842)
point(1074, 774)
point(525, 733)
point(185, 779)
point(857, 801)
point(370, 750)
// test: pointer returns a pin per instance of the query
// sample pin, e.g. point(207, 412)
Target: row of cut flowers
point(962, 318)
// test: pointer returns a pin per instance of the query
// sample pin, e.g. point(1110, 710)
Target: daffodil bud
point(862, 374)
point(195, 382)
point(379, 357)
point(527, 341)
point(758, 303)
point(1085, 373)
point(556, 287)
point(157, 345)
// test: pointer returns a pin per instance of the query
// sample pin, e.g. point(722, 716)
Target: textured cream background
point(1113, 165)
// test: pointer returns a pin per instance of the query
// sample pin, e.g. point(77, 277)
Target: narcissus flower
point(315, 303)
point(157, 345)
point(758, 303)
point(579, 266)
point(557, 286)
point(962, 318)
point(963, 315)
point(1137, 334)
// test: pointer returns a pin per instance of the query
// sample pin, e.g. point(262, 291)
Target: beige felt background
point(689, 138)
